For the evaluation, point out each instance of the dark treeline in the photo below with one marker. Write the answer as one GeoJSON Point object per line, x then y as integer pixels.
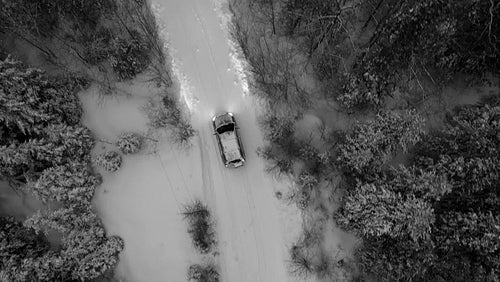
{"type": "Point", "coordinates": [44, 149]}
{"type": "Point", "coordinates": [365, 50]}
{"type": "Point", "coordinates": [436, 218]}
{"type": "Point", "coordinates": [116, 35]}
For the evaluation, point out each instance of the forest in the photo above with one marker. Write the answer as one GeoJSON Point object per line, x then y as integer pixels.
{"type": "Point", "coordinates": [408, 154]}
{"type": "Point", "coordinates": [435, 218]}
{"type": "Point", "coordinates": [45, 150]}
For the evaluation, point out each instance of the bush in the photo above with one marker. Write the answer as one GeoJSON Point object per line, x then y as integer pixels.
{"type": "Point", "coordinates": [303, 198]}
{"type": "Point", "coordinates": [165, 114]}
{"type": "Point", "coordinates": [158, 115]}
{"type": "Point", "coordinates": [200, 226]}
{"type": "Point", "coordinates": [97, 47]}
{"type": "Point", "coordinates": [360, 90]}
{"type": "Point", "coordinates": [277, 129]}
{"type": "Point", "coordinates": [307, 180]}
{"type": "Point", "coordinates": [283, 148]}
{"type": "Point", "coordinates": [301, 263]}
{"type": "Point", "coordinates": [110, 161]}
{"type": "Point", "coordinates": [130, 57]}
{"type": "Point", "coordinates": [280, 162]}
{"type": "Point", "coordinates": [184, 133]}
{"type": "Point", "coordinates": [308, 153]}
{"type": "Point", "coordinates": [307, 256]}
{"type": "Point", "coordinates": [130, 143]}
{"type": "Point", "coordinates": [174, 113]}
{"type": "Point", "coordinates": [206, 273]}
{"type": "Point", "coordinates": [302, 192]}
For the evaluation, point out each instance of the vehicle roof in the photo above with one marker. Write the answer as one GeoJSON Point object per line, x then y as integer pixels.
{"type": "Point", "coordinates": [231, 148]}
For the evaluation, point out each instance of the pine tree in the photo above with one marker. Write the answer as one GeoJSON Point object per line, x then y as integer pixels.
{"type": "Point", "coordinates": [373, 143]}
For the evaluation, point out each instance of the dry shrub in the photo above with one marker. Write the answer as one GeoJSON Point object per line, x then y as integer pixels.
{"type": "Point", "coordinates": [166, 113]}
{"type": "Point", "coordinates": [200, 226]}
{"type": "Point", "coordinates": [111, 161]}
{"type": "Point", "coordinates": [203, 273]}
{"type": "Point", "coordinates": [130, 143]}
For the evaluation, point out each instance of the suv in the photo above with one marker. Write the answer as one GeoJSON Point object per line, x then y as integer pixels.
{"type": "Point", "coordinates": [228, 139]}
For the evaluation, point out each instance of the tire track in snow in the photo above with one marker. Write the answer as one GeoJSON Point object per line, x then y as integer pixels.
{"type": "Point", "coordinates": [229, 199]}
{"type": "Point", "coordinates": [251, 206]}
{"type": "Point", "coordinates": [224, 173]}
{"type": "Point", "coordinates": [251, 225]}
{"type": "Point", "coordinates": [207, 42]}
{"type": "Point", "coordinates": [217, 202]}
{"type": "Point", "coordinates": [165, 173]}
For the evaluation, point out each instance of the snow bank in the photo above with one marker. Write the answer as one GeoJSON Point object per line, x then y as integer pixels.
{"type": "Point", "coordinates": [142, 201]}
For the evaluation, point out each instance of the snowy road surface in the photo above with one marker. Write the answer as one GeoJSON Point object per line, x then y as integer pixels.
{"type": "Point", "coordinates": [142, 201]}
{"type": "Point", "coordinates": [250, 240]}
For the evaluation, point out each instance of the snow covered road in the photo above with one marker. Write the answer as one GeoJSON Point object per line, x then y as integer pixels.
{"type": "Point", "coordinates": [251, 243]}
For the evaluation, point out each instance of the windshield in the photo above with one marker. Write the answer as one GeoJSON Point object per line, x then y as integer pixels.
{"type": "Point", "coordinates": [225, 128]}
{"type": "Point", "coordinates": [222, 119]}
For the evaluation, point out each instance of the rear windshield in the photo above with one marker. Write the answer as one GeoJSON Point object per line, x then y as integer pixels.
{"type": "Point", "coordinates": [226, 127]}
